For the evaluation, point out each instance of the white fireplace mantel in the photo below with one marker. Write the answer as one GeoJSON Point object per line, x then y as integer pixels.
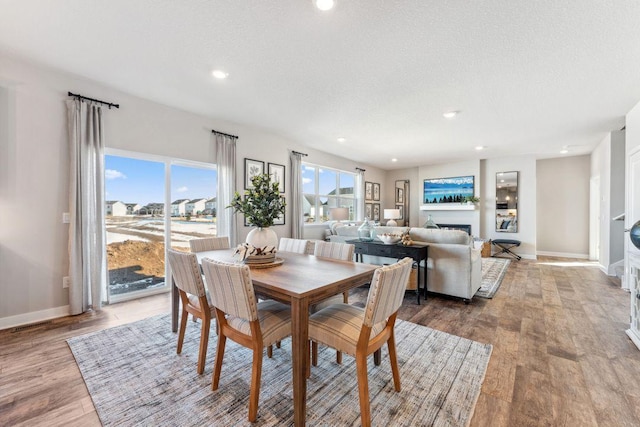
{"type": "Point", "coordinates": [448, 207]}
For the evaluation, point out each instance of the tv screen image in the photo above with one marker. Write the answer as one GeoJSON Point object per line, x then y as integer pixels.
{"type": "Point", "coordinates": [448, 190]}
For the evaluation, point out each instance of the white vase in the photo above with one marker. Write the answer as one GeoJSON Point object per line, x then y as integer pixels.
{"type": "Point", "coordinates": [261, 237]}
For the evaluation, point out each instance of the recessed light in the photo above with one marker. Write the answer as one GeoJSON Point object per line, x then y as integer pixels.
{"type": "Point", "coordinates": [341, 139]}
{"type": "Point", "coordinates": [502, 180]}
{"type": "Point", "coordinates": [324, 4]}
{"type": "Point", "coordinates": [564, 151]}
{"type": "Point", "coordinates": [450, 114]}
{"type": "Point", "coordinates": [394, 160]}
{"type": "Point", "coordinates": [219, 74]}
{"type": "Point", "coordinates": [480, 147]}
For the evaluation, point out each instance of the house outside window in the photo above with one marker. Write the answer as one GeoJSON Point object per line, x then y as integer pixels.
{"type": "Point", "coordinates": [325, 188]}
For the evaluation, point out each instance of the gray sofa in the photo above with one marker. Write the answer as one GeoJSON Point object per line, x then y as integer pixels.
{"type": "Point", "coordinates": [454, 266]}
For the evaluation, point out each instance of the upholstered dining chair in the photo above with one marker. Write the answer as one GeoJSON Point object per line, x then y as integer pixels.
{"type": "Point", "coordinates": [243, 320]}
{"type": "Point", "coordinates": [209, 244]}
{"type": "Point", "coordinates": [342, 252]}
{"type": "Point", "coordinates": [186, 275]}
{"type": "Point", "coordinates": [360, 332]}
{"type": "Point", "coordinates": [298, 246]}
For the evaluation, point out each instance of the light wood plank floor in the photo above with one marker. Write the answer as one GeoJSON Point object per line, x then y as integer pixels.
{"type": "Point", "coordinates": [560, 355]}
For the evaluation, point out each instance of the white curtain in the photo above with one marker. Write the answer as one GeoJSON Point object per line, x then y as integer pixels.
{"type": "Point", "coordinates": [297, 222]}
{"type": "Point", "coordinates": [226, 158]}
{"type": "Point", "coordinates": [87, 252]}
{"type": "Point", "coordinates": [359, 194]}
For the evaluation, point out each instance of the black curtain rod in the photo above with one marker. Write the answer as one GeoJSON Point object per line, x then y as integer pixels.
{"type": "Point", "coordinates": [361, 170]}
{"type": "Point", "coordinates": [224, 134]}
{"type": "Point", "coordinates": [110, 104]}
{"type": "Point", "coordinates": [297, 152]}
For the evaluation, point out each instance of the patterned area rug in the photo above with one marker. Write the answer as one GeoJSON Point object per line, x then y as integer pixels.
{"type": "Point", "coordinates": [493, 271]}
{"type": "Point", "coordinates": [135, 377]}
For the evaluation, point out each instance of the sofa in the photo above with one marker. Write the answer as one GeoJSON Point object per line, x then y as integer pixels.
{"type": "Point", "coordinates": [454, 266]}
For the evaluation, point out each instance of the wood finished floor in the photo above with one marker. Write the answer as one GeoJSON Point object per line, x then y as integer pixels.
{"type": "Point", "coordinates": [560, 356]}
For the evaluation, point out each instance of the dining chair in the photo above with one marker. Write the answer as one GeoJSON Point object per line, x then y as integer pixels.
{"type": "Point", "coordinates": [243, 320]}
{"type": "Point", "coordinates": [187, 278]}
{"type": "Point", "coordinates": [298, 246]}
{"type": "Point", "coordinates": [209, 244]}
{"type": "Point", "coordinates": [342, 252]}
{"type": "Point", "coordinates": [362, 331]}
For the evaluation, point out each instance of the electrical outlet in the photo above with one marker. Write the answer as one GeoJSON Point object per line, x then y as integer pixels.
{"type": "Point", "coordinates": [66, 281]}
{"type": "Point", "coordinates": [66, 218]}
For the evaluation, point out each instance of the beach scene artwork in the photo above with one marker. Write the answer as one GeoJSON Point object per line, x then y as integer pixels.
{"type": "Point", "coordinates": [448, 190]}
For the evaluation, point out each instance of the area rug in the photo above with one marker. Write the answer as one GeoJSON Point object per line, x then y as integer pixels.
{"type": "Point", "coordinates": [493, 271]}
{"type": "Point", "coordinates": [135, 377]}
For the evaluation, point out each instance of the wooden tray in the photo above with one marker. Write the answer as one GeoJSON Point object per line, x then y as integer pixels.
{"type": "Point", "coordinates": [275, 263]}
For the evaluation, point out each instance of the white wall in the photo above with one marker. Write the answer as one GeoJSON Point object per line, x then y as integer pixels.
{"type": "Point", "coordinates": [34, 177]}
{"type": "Point", "coordinates": [450, 217]}
{"type": "Point", "coordinates": [526, 166]}
{"type": "Point", "coordinates": [601, 167]}
{"type": "Point", "coordinates": [563, 206]}
{"type": "Point", "coordinates": [616, 207]}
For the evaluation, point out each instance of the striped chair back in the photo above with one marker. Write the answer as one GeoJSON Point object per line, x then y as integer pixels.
{"type": "Point", "coordinates": [209, 244]}
{"type": "Point", "coordinates": [298, 246]}
{"type": "Point", "coordinates": [186, 272]}
{"type": "Point", "coordinates": [387, 291]}
{"type": "Point", "coordinates": [230, 288]}
{"type": "Point", "coordinates": [335, 250]}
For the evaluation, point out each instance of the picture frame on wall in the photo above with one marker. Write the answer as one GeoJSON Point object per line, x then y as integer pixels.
{"type": "Point", "coordinates": [368, 210]}
{"type": "Point", "coordinates": [368, 190]}
{"type": "Point", "coordinates": [276, 172]}
{"type": "Point", "coordinates": [376, 211]}
{"type": "Point", "coordinates": [251, 169]}
{"type": "Point", "coordinates": [376, 192]}
{"type": "Point", "coordinates": [399, 195]}
{"type": "Point", "coordinates": [401, 209]}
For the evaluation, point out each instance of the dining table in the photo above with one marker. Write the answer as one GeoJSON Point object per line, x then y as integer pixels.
{"type": "Point", "coordinates": [298, 280]}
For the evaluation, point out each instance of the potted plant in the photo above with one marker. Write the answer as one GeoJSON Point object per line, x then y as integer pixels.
{"type": "Point", "coordinates": [261, 206]}
{"type": "Point", "coordinates": [470, 200]}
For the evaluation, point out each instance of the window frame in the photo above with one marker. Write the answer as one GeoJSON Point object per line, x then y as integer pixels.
{"type": "Point", "coordinates": [338, 197]}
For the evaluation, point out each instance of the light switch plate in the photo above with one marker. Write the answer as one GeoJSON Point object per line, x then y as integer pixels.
{"type": "Point", "coordinates": [66, 218]}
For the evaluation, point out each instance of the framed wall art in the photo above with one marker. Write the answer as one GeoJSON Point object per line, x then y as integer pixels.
{"type": "Point", "coordinates": [368, 210]}
{"type": "Point", "coordinates": [276, 172]}
{"type": "Point", "coordinates": [251, 169]}
{"type": "Point", "coordinates": [368, 190]}
{"type": "Point", "coordinates": [376, 191]}
{"type": "Point", "coordinates": [376, 211]}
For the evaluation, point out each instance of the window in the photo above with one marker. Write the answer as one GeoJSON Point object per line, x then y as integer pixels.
{"type": "Point", "coordinates": [325, 188]}
{"type": "Point", "coordinates": [139, 190]}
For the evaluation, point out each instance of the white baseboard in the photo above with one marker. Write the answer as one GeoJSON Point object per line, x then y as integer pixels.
{"type": "Point", "coordinates": [33, 317]}
{"type": "Point", "coordinates": [563, 254]}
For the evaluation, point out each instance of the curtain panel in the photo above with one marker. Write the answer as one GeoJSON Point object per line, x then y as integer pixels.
{"type": "Point", "coordinates": [297, 219]}
{"type": "Point", "coordinates": [87, 236]}
{"type": "Point", "coordinates": [226, 159]}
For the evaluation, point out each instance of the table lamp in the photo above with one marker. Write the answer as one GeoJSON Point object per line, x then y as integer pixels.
{"type": "Point", "coordinates": [391, 215]}
{"type": "Point", "coordinates": [338, 214]}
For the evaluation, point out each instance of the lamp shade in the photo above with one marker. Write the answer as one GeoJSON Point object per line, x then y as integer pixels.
{"type": "Point", "coordinates": [338, 214]}
{"type": "Point", "coordinates": [391, 213]}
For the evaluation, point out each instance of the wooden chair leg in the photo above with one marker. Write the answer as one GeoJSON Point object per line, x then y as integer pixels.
{"type": "Point", "coordinates": [218, 365]}
{"type": "Point", "coordinates": [270, 351]}
{"type": "Point", "coordinates": [204, 342]}
{"type": "Point", "coordinates": [363, 389]}
{"type": "Point", "coordinates": [338, 357]}
{"type": "Point", "coordinates": [377, 357]}
{"type": "Point", "coordinates": [256, 373]}
{"type": "Point", "coordinates": [393, 358]}
{"type": "Point", "coordinates": [183, 328]}
{"type": "Point", "coordinates": [277, 344]}
{"type": "Point", "coordinates": [314, 353]}
{"type": "Point", "coordinates": [308, 361]}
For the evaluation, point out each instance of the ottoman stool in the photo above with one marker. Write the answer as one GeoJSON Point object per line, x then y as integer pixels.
{"type": "Point", "coordinates": [505, 246]}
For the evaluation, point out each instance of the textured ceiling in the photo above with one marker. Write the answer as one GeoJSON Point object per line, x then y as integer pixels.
{"type": "Point", "coordinates": [528, 76]}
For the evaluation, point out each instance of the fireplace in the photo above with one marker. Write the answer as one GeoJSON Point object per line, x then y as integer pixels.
{"type": "Point", "coordinates": [463, 227]}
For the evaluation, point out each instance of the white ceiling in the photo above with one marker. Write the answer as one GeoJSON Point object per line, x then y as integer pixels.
{"type": "Point", "coordinates": [528, 76]}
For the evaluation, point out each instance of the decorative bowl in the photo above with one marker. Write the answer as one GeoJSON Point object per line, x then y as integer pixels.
{"type": "Point", "coordinates": [389, 239]}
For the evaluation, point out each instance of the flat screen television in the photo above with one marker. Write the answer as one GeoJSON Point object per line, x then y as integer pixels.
{"type": "Point", "coordinates": [448, 190]}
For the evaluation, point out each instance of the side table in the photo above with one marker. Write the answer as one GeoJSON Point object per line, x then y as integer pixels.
{"type": "Point", "coordinates": [377, 248]}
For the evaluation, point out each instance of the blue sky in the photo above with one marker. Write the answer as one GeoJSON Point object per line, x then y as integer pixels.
{"type": "Point", "coordinates": [142, 181]}
{"type": "Point", "coordinates": [327, 180]}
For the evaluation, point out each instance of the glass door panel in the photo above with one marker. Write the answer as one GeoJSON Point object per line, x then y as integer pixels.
{"type": "Point", "coordinates": [135, 226]}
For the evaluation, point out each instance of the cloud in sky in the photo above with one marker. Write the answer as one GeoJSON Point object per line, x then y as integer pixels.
{"type": "Point", "coordinates": [182, 190]}
{"type": "Point", "coordinates": [306, 180]}
{"type": "Point", "coordinates": [114, 174]}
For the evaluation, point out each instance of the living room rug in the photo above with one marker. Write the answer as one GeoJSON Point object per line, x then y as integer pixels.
{"type": "Point", "coordinates": [135, 377]}
{"type": "Point", "coordinates": [493, 271]}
